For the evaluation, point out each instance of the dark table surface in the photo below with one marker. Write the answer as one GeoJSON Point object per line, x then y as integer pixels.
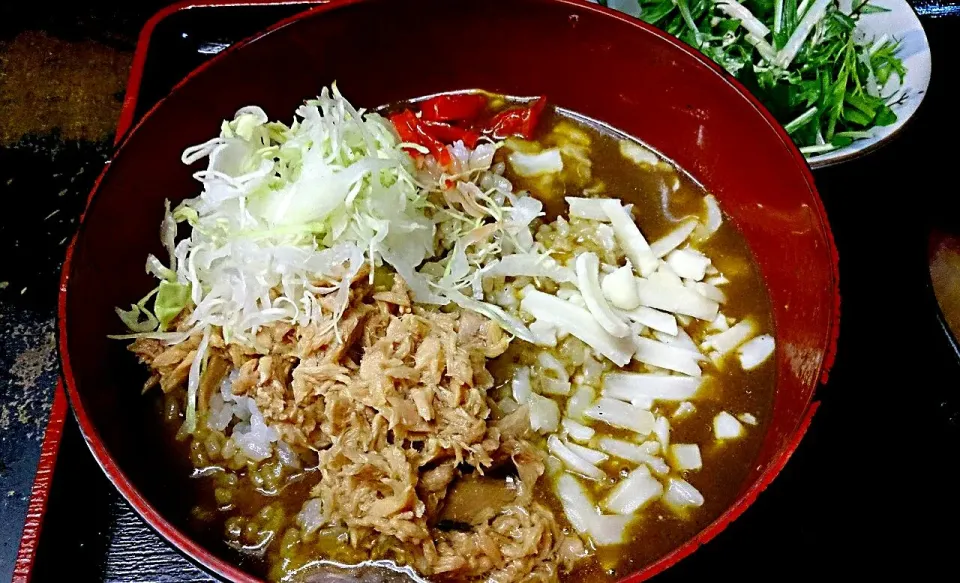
{"type": "Point", "coordinates": [869, 493]}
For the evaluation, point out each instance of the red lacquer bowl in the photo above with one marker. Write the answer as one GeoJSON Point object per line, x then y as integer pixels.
{"type": "Point", "coordinates": [584, 57]}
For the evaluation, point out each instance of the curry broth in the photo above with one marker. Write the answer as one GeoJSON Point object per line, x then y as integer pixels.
{"type": "Point", "coordinates": [237, 505]}
{"type": "Point", "coordinates": [662, 198]}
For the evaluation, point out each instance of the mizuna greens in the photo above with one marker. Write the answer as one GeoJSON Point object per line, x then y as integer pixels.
{"type": "Point", "coordinates": [802, 58]}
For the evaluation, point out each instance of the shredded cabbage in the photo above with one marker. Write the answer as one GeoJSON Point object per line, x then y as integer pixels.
{"type": "Point", "coordinates": [172, 298]}
{"type": "Point", "coordinates": [290, 213]}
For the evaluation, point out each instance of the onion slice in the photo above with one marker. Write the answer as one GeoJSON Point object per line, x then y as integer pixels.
{"type": "Point", "coordinates": [714, 219]}
{"type": "Point", "coordinates": [638, 454]}
{"type": "Point", "coordinates": [676, 299]}
{"type": "Point", "coordinates": [664, 356]}
{"type": "Point", "coordinates": [622, 415]}
{"type": "Point", "coordinates": [577, 506]}
{"type": "Point", "coordinates": [577, 321]}
{"type": "Point", "coordinates": [591, 455]}
{"type": "Point", "coordinates": [589, 208]}
{"type": "Point", "coordinates": [577, 431]}
{"type": "Point", "coordinates": [573, 461]}
{"type": "Point", "coordinates": [634, 151]}
{"type": "Point", "coordinates": [673, 239]}
{"type": "Point", "coordinates": [628, 386]}
{"type": "Point", "coordinates": [659, 321]}
{"type": "Point", "coordinates": [631, 239]}
{"type": "Point", "coordinates": [730, 339]}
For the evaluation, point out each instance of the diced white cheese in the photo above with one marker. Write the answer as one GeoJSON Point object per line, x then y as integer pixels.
{"type": "Point", "coordinates": [719, 324]}
{"type": "Point", "coordinates": [528, 165]}
{"type": "Point", "coordinates": [576, 503]}
{"type": "Point", "coordinates": [530, 265]}
{"type": "Point", "coordinates": [728, 340]}
{"type": "Point", "coordinates": [642, 402]}
{"type": "Point", "coordinates": [589, 208]}
{"type": "Point", "coordinates": [665, 275]}
{"type": "Point", "coordinates": [580, 401]}
{"type": "Point", "coordinates": [545, 333]}
{"type": "Point", "coordinates": [577, 431]}
{"type": "Point", "coordinates": [681, 495]}
{"type": "Point", "coordinates": [716, 280]}
{"type": "Point", "coordinates": [726, 426]}
{"type": "Point", "coordinates": [555, 379]}
{"type": "Point", "coordinates": [544, 414]}
{"type": "Point", "coordinates": [609, 531]}
{"type": "Point", "coordinates": [708, 291]}
{"type": "Point", "coordinates": [681, 340]}
{"type": "Point", "coordinates": [685, 408]}
{"type": "Point", "coordinates": [747, 418]}
{"type": "Point", "coordinates": [688, 264]}
{"type": "Point", "coordinates": [685, 457]}
{"type": "Point", "coordinates": [620, 288]}
{"type": "Point", "coordinates": [634, 492]}
{"type": "Point", "coordinates": [522, 390]}
{"type": "Point", "coordinates": [661, 428]}
{"type": "Point", "coordinates": [604, 530]}
{"type": "Point", "coordinates": [755, 352]}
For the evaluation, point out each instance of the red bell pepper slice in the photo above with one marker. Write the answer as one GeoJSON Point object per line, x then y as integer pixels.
{"type": "Point", "coordinates": [460, 107]}
{"type": "Point", "coordinates": [516, 121]}
{"type": "Point", "coordinates": [449, 134]}
{"type": "Point", "coordinates": [411, 129]}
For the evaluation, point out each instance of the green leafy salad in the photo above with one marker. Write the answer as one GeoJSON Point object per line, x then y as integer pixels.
{"type": "Point", "coordinates": [804, 59]}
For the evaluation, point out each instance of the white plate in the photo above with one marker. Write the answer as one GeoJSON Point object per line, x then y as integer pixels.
{"type": "Point", "coordinates": [902, 24]}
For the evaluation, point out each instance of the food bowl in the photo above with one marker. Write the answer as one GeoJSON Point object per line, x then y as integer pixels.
{"type": "Point", "coordinates": [586, 58]}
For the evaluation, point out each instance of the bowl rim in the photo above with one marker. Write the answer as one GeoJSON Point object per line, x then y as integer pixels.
{"type": "Point", "coordinates": [219, 567]}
